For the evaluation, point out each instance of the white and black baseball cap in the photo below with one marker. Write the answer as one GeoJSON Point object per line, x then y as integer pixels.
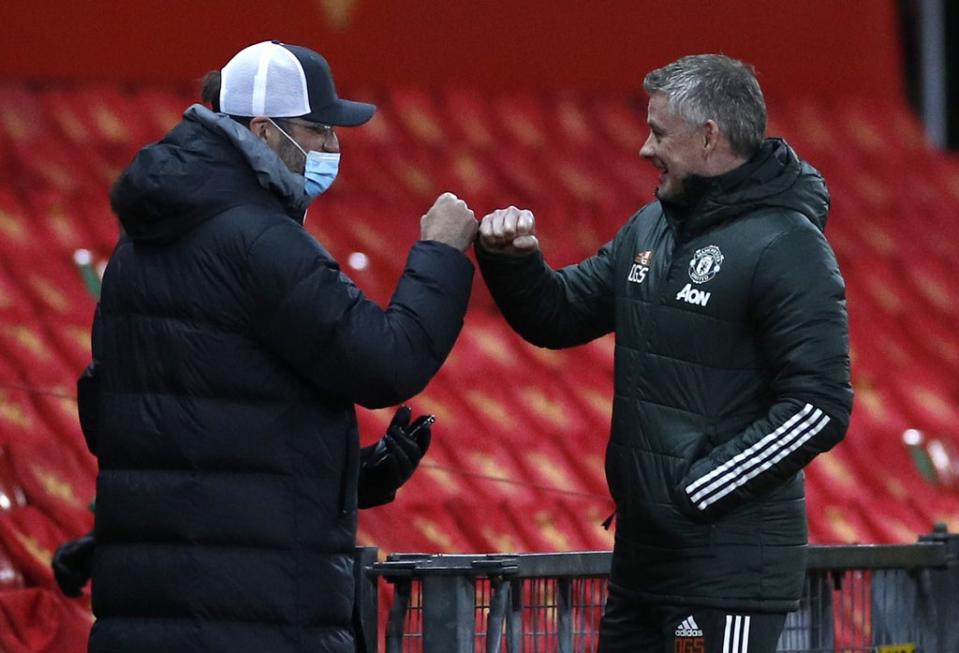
{"type": "Point", "coordinates": [277, 80]}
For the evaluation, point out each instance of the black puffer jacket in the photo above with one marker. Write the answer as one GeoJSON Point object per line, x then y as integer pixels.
{"type": "Point", "coordinates": [231, 351]}
{"type": "Point", "coordinates": [732, 373]}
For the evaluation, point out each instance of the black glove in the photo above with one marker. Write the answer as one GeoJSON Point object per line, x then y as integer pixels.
{"type": "Point", "coordinates": [73, 564]}
{"type": "Point", "coordinates": [389, 463]}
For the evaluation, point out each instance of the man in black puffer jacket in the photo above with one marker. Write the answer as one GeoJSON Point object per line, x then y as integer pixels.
{"type": "Point", "coordinates": [732, 363]}
{"type": "Point", "coordinates": [230, 350]}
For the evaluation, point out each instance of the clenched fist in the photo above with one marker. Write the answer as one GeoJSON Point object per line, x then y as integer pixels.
{"type": "Point", "coordinates": [509, 231]}
{"type": "Point", "coordinates": [449, 221]}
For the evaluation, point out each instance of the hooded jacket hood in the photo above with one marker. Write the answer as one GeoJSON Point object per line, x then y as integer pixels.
{"type": "Point", "coordinates": [774, 178]}
{"type": "Point", "coordinates": [204, 166]}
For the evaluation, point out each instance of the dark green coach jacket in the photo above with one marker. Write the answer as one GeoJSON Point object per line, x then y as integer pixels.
{"type": "Point", "coordinates": [732, 373]}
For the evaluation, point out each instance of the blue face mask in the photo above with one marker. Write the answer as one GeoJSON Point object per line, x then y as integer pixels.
{"type": "Point", "coordinates": [320, 170]}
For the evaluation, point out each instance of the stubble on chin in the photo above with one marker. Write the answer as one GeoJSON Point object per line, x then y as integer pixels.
{"type": "Point", "coordinates": [667, 196]}
{"type": "Point", "coordinates": [674, 196]}
{"type": "Point", "coordinates": [292, 157]}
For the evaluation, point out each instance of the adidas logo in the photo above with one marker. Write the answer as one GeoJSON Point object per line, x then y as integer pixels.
{"type": "Point", "coordinates": [689, 628]}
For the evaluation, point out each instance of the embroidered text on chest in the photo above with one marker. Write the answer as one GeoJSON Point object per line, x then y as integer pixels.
{"type": "Point", "coordinates": [640, 268]}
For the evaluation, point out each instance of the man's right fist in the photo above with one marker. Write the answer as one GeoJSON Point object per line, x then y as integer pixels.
{"type": "Point", "coordinates": [449, 221]}
{"type": "Point", "coordinates": [509, 231]}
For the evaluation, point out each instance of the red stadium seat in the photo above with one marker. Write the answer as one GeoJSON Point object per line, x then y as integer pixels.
{"type": "Point", "coordinates": [472, 119]}
{"type": "Point", "coordinates": [417, 112]}
{"type": "Point", "coordinates": [39, 621]}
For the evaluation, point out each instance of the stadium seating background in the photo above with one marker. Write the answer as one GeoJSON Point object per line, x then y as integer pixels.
{"type": "Point", "coordinates": [516, 461]}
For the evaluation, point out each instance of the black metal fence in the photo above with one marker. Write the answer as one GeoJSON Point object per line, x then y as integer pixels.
{"type": "Point", "coordinates": [877, 598]}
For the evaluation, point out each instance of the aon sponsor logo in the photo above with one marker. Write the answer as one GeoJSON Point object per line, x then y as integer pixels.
{"type": "Point", "coordinates": [692, 295]}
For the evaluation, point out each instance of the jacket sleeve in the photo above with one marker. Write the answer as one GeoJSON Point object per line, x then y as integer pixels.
{"type": "Point", "coordinates": [314, 318]}
{"type": "Point", "coordinates": [799, 309]}
{"type": "Point", "coordinates": [552, 308]}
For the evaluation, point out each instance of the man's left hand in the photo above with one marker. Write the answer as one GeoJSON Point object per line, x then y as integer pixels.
{"type": "Point", "coordinates": [388, 464]}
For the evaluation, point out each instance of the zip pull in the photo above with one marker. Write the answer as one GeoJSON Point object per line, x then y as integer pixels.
{"type": "Point", "coordinates": [609, 521]}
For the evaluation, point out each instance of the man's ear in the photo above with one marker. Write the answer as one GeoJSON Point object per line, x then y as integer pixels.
{"type": "Point", "coordinates": [259, 126]}
{"type": "Point", "coordinates": [710, 138]}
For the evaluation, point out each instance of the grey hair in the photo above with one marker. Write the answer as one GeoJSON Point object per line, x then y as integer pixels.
{"type": "Point", "coordinates": [703, 87]}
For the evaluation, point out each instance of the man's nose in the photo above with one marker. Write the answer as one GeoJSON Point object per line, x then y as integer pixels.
{"type": "Point", "coordinates": [331, 143]}
{"type": "Point", "coordinates": [646, 151]}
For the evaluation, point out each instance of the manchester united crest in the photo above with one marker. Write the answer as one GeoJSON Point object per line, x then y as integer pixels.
{"type": "Point", "coordinates": [705, 264]}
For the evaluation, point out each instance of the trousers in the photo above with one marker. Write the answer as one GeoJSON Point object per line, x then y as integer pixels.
{"type": "Point", "coordinates": [633, 626]}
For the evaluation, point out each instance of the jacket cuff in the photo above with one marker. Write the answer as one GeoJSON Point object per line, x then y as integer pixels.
{"type": "Point", "coordinates": [487, 258]}
{"type": "Point", "coordinates": [448, 267]}
{"type": "Point", "coordinates": [689, 509]}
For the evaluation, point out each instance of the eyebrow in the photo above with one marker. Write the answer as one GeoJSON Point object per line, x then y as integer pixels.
{"type": "Point", "coordinates": [317, 127]}
{"type": "Point", "coordinates": [311, 126]}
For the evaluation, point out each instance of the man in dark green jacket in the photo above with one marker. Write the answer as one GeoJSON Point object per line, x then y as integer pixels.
{"type": "Point", "coordinates": [732, 363]}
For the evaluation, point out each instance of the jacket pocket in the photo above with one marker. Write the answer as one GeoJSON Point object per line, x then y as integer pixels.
{"type": "Point", "coordinates": [642, 483]}
{"type": "Point", "coordinates": [618, 463]}
{"type": "Point", "coordinates": [712, 437]}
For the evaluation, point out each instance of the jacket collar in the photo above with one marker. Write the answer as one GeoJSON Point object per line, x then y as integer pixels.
{"type": "Point", "coordinates": [271, 173]}
{"type": "Point", "coordinates": [774, 176]}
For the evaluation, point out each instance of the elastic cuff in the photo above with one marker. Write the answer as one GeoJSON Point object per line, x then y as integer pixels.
{"type": "Point", "coordinates": [689, 509]}
{"type": "Point", "coordinates": [445, 265]}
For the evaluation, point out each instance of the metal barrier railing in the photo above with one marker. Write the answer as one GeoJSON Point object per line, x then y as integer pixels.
{"type": "Point", "coordinates": [885, 598]}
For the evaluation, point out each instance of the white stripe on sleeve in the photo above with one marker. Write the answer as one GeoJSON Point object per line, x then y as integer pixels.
{"type": "Point", "coordinates": [799, 440]}
{"type": "Point", "coordinates": [772, 448]}
{"type": "Point", "coordinates": [751, 450]}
